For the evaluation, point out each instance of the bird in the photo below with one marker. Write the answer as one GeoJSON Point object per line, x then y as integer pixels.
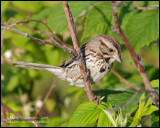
{"type": "Point", "coordinates": [98, 54]}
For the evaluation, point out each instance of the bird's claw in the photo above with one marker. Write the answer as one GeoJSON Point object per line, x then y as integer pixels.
{"type": "Point", "coordinates": [97, 100]}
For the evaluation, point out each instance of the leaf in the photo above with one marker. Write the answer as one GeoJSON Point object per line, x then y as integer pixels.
{"type": "Point", "coordinates": [155, 119]}
{"type": "Point", "coordinates": [11, 80]}
{"type": "Point", "coordinates": [28, 5]}
{"type": "Point", "coordinates": [155, 83]}
{"type": "Point", "coordinates": [98, 20]}
{"type": "Point", "coordinates": [141, 106]}
{"type": "Point", "coordinates": [57, 21]}
{"type": "Point", "coordinates": [85, 115]}
{"type": "Point", "coordinates": [143, 28]}
{"type": "Point", "coordinates": [110, 117]}
{"type": "Point", "coordinates": [143, 110]}
{"type": "Point", "coordinates": [54, 122]}
{"type": "Point", "coordinates": [150, 110]}
{"type": "Point", "coordinates": [137, 116]}
{"type": "Point", "coordinates": [103, 120]}
{"type": "Point", "coordinates": [118, 98]}
{"type": "Point", "coordinates": [52, 55]}
{"type": "Point", "coordinates": [4, 5]}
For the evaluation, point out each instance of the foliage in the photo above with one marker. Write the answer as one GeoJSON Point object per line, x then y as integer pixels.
{"type": "Point", "coordinates": [23, 90]}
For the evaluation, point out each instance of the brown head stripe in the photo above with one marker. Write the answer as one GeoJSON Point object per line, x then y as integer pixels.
{"type": "Point", "coordinates": [114, 42]}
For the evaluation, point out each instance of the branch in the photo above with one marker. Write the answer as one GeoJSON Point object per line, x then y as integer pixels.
{"type": "Point", "coordinates": [136, 59]}
{"type": "Point", "coordinates": [124, 80]}
{"type": "Point", "coordinates": [21, 117]}
{"type": "Point", "coordinates": [145, 8]}
{"type": "Point", "coordinates": [55, 43]}
{"type": "Point", "coordinates": [3, 113]}
{"type": "Point", "coordinates": [45, 99]}
{"type": "Point", "coordinates": [70, 22]}
{"type": "Point", "coordinates": [45, 24]}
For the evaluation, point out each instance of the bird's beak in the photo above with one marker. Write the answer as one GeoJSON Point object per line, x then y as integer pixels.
{"type": "Point", "coordinates": [118, 58]}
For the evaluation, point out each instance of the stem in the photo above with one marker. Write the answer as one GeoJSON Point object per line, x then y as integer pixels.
{"type": "Point", "coordinates": [136, 59]}
{"type": "Point", "coordinates": [71, 26]}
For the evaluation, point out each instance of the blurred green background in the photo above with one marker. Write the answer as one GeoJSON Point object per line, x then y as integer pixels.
{"type": "Point", "coordinates": [23, 90]}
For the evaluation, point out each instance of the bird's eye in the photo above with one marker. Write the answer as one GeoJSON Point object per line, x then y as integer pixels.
{"type": "Point", "coordinates": [111, 50]}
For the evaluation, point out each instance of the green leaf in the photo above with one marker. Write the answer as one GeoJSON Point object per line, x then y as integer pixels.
{"type": "Point", "coordinates": [155, 119]}
{"type": "Point", "coordinates": [143, 28]}
{"type": "Point", "coordinates": [141, 106]}
{"type": "Point", "coordinates": [137, 116]}
{"type": "Point", "coordinates": [85, 115]}
{"type": "Point", "coordinates": [103, 120]}
{"type": "Point", "coordinates": [143, 110]}
{"type": "Point", "coordinates": [52, 55]}
{"type": "Point", "coordinates": [27, 5]}
{"type": "Point", "coordinates": [119, 98]}
{"type": "Point", "coordinates": [150, 110]}
{"type": "Point", "coordinates": [57, 21]}
{"type": "Point", "coordinates": [155, 83]}
{"type": "Point", "coordinates": [110, 117]}
{"type": "Point", "coordinates": [98, 20]}
{"type": "Point", "coordinates": [4, 5]}
{"type": "Point", "coordinates": [11, 80]}
{"type": "Point", "coordinates": [54, 122]}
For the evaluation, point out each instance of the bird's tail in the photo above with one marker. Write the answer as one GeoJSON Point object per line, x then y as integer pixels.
{"type": "Point", "coordinates": [54, 69]}
{"type": "Point", "coordinates": [33, 65]}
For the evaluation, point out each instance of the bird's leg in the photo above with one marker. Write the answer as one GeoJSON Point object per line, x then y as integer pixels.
{"type": "Point", "coordinates": [76, 77]}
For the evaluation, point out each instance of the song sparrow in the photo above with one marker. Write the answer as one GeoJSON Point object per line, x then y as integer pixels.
{"type": "Point", "coordinates": [98, 54]}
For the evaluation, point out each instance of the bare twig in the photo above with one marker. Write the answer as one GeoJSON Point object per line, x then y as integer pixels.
{"type": "Point", "coordinates": [55, 43]}
{"type": "Point", "coordinates": [21, 117]}
{"type": "Point", "coordinates": [124, 80]}
{"type": "Point", "coordinates": [145, 8]}
{"type": "Point", "coordinates": [136, 59]}
{"type": "Point", "coordinates": [3, 34]}
{"type": "Point", "coordinates": [45, 24]}
{"type": "Point", "coordinates": [45, 99]}
{"type": "Point", "coordinates": [3, 113]}
{"type": "Point", "coordinates": [87, 85]}
{"type": "Point", "coordinates": [2, 39]}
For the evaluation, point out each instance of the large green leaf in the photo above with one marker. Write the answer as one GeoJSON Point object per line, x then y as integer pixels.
{"type": "Point", "coordinates": [119, 98]}
{"type": "Point", "coordinates": [57, 21]}
{"type": "Point", "coordinates": [103, 120]}
{"type": "Point", "coordinates": [143, 28]}
{"type": "Point", "coordinates": [98, 20]}
{"type": "Point", "coordinates": [85, 115]}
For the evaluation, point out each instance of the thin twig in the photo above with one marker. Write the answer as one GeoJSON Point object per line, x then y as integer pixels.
{"type": "Point", "coordinates": [71, 26]}
{"type": "Point", "coordinates": [20, 116]}
{"type": "Point", "coordinates": [3, 113]}
{"type": "Point", "coordinates": [3, 34]}
{"type": "Point", "coordinates": [45, 99]}
{"type": "Point", "coordinates": [45, 24]}
{"type": "Point", "coordinates": [124, 80]}
{"type": "Point", "coordinates": [55, 43]}
{"type": "Point", "coordinates": [145, 8]}
{"type": "Point", "coordinates": [136, 59]}
{"type": "Point", "coordinates": [2, 39]}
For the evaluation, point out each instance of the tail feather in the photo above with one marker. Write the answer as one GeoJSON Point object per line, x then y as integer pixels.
{"type": "Point", "coordinates": [33, 65]}
{"type": "Point", "coordinates": [59, 71]}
